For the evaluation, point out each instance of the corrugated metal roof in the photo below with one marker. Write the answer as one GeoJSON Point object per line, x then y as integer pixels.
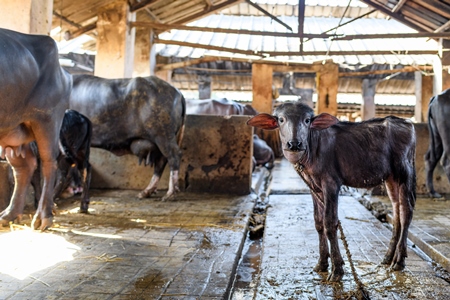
{"type": "Point", "coordinates": [315, 25]}
{"type": "Point", "coordinates": [314, 8]}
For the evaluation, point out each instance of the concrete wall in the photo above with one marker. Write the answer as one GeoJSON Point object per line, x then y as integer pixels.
{"type": "Point", "coordinates": [216, 158]}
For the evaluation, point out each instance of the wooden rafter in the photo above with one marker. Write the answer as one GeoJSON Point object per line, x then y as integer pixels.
{"type": "Point", "coordinates": [396, 16]}
{"type": "Point", "coordinates": [165, 27]}
{"type": "Point", "coordinates": [398, 6]}
{"type": "Point", "coordinates": [64, 19]}
{"type": "Point", "coordinates": [378, 72]}
{"type": "Point", "coordinates": [83, 30]}
{"type": "Point", "coordinates": [293, 53]}
{"type": "Point", "coordinates": [208, 10]}
{"type": "Point", "coordinates": [141, 5]}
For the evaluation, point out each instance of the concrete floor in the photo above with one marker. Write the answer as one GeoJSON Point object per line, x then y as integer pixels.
{"type": "Point", "coordinates": [197, 247]}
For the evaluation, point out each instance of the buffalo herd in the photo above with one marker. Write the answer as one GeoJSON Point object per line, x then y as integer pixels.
{"type": "Point", "coordinates": [50, 119]}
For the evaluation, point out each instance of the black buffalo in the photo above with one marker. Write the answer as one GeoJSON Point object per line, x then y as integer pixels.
{"type": "Point", "coordinates": [34, 93]}
{"type": "Point", "coordinates": [74, 169]}
{"type": "Point", "coordinates": [140, 116]}
{"type": "Point", "coordinates": [439, 131]}
{"type": "Point", "coordinates": [329, 154]}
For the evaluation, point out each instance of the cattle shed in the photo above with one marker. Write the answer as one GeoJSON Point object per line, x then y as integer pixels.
{"type": "Point", "coordinates": [353, 59]}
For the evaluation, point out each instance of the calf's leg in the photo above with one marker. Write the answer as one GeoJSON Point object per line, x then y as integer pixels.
{"type": "Point", "coordinates": [331, 224]}
{"type": "Point", "coordinates": [324, 252]}
{"type": "Point", "coordinates": [86, 183]}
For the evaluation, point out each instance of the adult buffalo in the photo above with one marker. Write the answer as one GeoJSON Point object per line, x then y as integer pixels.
{"type": "Point", "coordinates": [34, 93]}
{"type": "Point", "coordinates": [263, 154]}
{"type": "Point", "coordinates": [328, 154]}
{"type": "Point", "coordinates": [140, 116]}
{"type": "Point", "coordinates": [220, 107]}
{"type": "Point", "coordinates": [439, 132]}
{"type": "Point", "coordinates": [74, 169]}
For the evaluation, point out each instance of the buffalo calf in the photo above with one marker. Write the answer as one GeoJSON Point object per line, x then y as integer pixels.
{"type": "Point", "coordinates": [73, 159]}
{"type": "Point", "coordinates": [362, 155]}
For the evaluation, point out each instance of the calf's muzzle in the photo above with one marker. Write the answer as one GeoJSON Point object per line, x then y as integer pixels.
{"type": "Point", "coordinates": [294, 145]}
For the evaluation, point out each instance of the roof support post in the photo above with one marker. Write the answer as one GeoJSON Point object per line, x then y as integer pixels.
{"type": "Point", "coordinates": [204, 86]}
{"type": "Point", "coordinates": [262, 87]}
{"type": "Point", "coordinates": [424, 91]}
{"type": "Point", "coordinates": [115, 43]}
{"type": "Point", "coordinates": [27, 16]}
{"type": "Point", "coordinates": [368, 98]}
{"type": "Point", "coordinates": [327, 81]}
{"type": "Point", "coordinates": [142, 53]}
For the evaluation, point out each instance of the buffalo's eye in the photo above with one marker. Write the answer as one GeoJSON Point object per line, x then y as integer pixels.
{"type": "Point", "coordinates": [307, 121]}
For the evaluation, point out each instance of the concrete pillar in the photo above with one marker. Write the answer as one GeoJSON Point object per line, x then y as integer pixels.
{"type": "Point", "coordinates": [115, 42]}
{"type": "Point", "coordinates": [204, 87]}
{"type": "Point", "coordinates": [327, 86]}
{"type": "Point", "coordinates": [437, 78]}
{"type": "Point", "coordinates": [262, 88]}
{"type": "Point", "coordinates": [424, 91]}
{"type": "Point", "coordinates": [142, 49]}
{"type": "Point", "coordinates": [368, 95]}
{"type": "Point", "coordinates": [27, 16]}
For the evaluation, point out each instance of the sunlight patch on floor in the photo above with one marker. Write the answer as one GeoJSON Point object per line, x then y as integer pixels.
{"type": "Point", "coordinates": [24, 252]}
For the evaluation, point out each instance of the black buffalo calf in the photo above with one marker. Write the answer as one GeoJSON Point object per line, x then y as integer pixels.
{"type": "Point", "coordinates": [74, 169]}
{"type": "Point", "coordinates": [330, 153]}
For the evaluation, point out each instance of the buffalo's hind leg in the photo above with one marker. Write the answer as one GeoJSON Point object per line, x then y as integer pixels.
{"type": "Point", "coordinates": [402, 210]}
{"type": "Point", "coordinates": [432, 158]}
{"type": "Point", "coordinates": [47, 138]}
{"type": "Point", "coordinates": [169, 152]}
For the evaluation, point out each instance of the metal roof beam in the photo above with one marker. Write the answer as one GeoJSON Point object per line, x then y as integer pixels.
{"type": "Point", "coordinates": [301, 19]}
{"type": "Point", "coordinates": [269, 14]}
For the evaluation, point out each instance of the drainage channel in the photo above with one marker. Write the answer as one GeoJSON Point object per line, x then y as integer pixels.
{"type": "Point", "coordinates": [246, 280]}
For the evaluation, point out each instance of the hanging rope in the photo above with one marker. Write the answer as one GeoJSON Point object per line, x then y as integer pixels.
{"type": "Point", "coordinates": [361, 293]}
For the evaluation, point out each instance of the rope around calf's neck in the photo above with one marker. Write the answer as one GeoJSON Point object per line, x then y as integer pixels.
{"type": "Point", "coordinates": [361, 291]}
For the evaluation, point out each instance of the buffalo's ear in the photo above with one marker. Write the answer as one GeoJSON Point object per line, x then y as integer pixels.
{"type": "Point", "coordinates": [324, 121]}
{"type": "Point", "coordinates": [263, 121]}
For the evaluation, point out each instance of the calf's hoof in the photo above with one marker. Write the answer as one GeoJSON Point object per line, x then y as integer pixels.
{"type": "Point", "coordinates": [41, 224]}
{"type": "Point", "coordinates": [168, 197]}
{"type": "Point", "coordinates": [321, 267]}
{"type": "Point", "coordinates": [386, 260]}
{"type": "Point", "coordinates": [145, 194]}
{"type": "Point", "coordinates": [8, 217]}
{"type": "Point", "coordinates": [335, 276]}
{"type": "Point", "coordinates": [435, 195]}
{"type": "Point", "coordinates": [398, 266]}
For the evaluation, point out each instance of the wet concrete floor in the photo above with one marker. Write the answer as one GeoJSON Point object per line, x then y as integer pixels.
{"type": "Point", "coordinates": [128, 249]}
{"type": "Point", "coordinates": [288, 252]}
{"type": "Point", "coordinates": [197, 247]}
